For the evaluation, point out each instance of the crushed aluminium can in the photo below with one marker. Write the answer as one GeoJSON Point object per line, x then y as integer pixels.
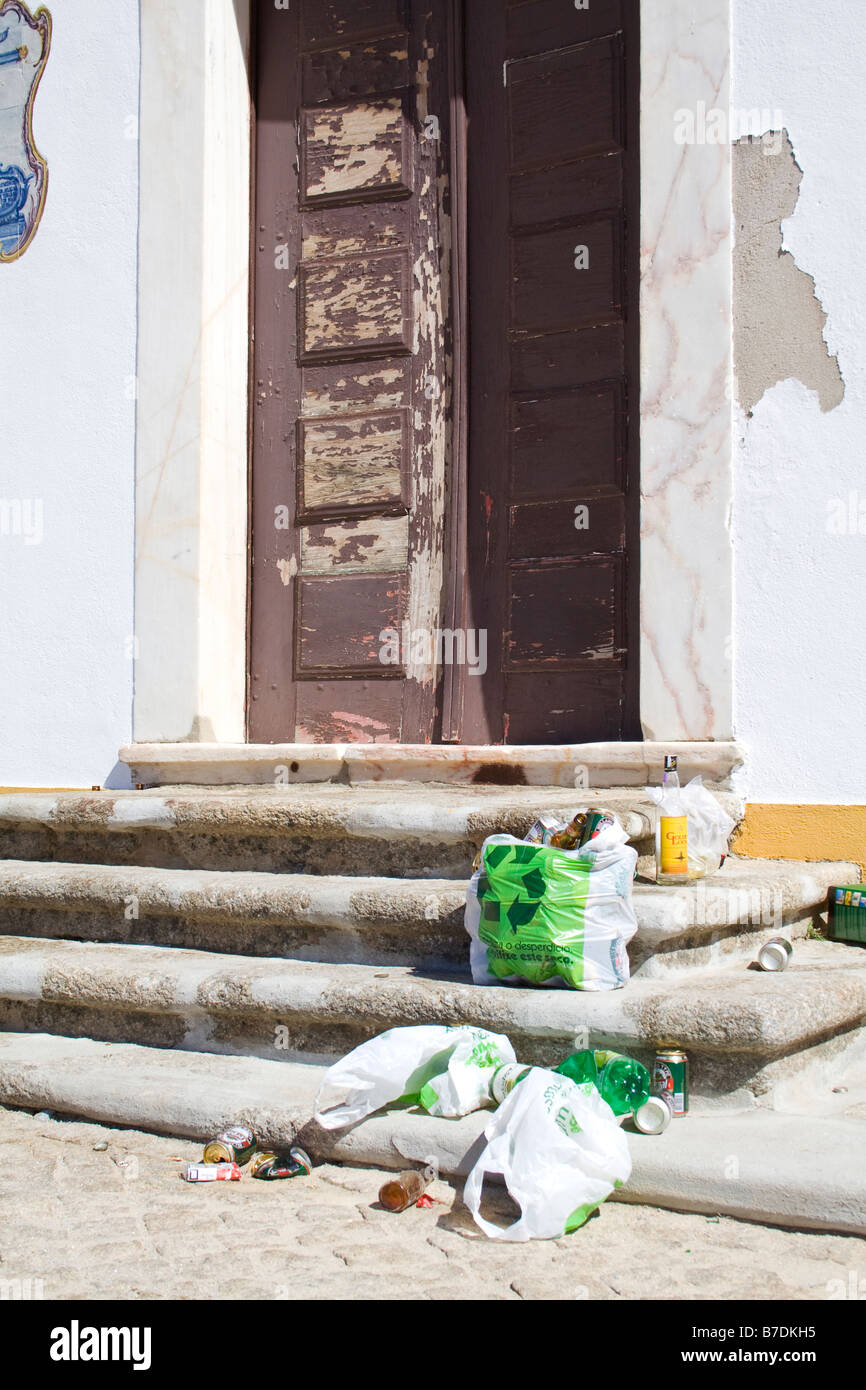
{"type": "Point", "coordinates": [670, 1079]}
{"type": "Point", "coordinates": [270, 1166]}
{"type": "Point", "coordinates": [775, 953]}
{"type": "Point", "coordinates": [211, 1172]}
{"type": "Point", "coordinates": [236, 1144]}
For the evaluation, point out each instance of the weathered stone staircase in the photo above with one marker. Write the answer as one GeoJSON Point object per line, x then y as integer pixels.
{"type": "Point", "coordinates": [178, 957]}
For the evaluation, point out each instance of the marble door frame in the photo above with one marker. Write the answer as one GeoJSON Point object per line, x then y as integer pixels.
{"type": "Point", "coordinates": [193, 364]}
{"type": "Point", "coordinates": [686, 596]}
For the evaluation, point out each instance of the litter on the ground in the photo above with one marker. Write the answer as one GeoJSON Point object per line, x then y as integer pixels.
{"type": "Point", "coordinates": [654, 1116]}
{"type": "Point", "coordinates": [270, 1166]}
{"type": "Point", "coordinates": [692, 829]}
{"type": "Point", "coordinates": [671, 1079]}
{"type": "Point", "coordinates": [847, 913]}
{"type": "Point", "coordinates": [235, 1144]}
{"type": "Point", "coordinates": [211, 1172]}
{"type": "Point", "coordinates": [448, 1071]}
{"type": "Point", "coordinates": [621, 1081]}
{"type": "Point", "coordinates": [560, 1152]}
{"type": "Point", "coordinates": [407, 1189]}
{"type": "Point", "coordinates": [775, 953]}
{"type": "Point", "coordinates": [555, 1137]}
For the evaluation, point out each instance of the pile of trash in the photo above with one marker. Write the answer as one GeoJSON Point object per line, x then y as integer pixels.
{"type": "Point", "coordinates": [555, 1137]}
{"type": "Point", "coordinates": [555, 908]}
{"type": "Point", "coordinates": [236, 1146]}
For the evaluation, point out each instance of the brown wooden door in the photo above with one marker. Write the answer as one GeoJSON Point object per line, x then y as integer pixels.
{"type": "Point", "coordinates": [553, 276]}
{"type": "Point", "coordinates": [373, 511]}
{"type": "Point", "coordinates": [350, 386]}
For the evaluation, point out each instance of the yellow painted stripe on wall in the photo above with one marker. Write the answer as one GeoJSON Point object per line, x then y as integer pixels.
{"type": "Point", "coordinates": [776, 831]}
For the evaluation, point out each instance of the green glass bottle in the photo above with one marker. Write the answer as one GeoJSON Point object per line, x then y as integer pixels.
{"type": "Point", "coordinates": [621, 1081]}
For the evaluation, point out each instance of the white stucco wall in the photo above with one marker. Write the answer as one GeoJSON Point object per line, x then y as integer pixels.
{"type": "Point", "coordinates": [67, 440]}
{"type": "Point", "coordinates": [799, 651]}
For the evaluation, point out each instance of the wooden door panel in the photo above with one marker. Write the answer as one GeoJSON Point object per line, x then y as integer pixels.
{"type": "Point", "coordinates": [564, 707]}
{"type": "Point", "coordinates": [553, 273]}
{"type": "Point", "coordinates": [334, 21]}
{"type": "Point", "coordinates": [566, 442]}
{"type": "Point", "coordinates": [563, 613]}
{"type": "Point", "coordinates": [353, 69]}
{"type": "Point", "coordinates": [542, 26]}
{"type": "Point", "coordinates": [338, 620]}
{"type": "Point", "coordinates": [564, 104]}
{"type": "Point", "coordinates": [593, 527]}
{"type": "Point", "coordinates": [570, 190]}
{"type": "Point", "coordinates": [547, 296]}
{"type": "Point", "coordinates": [351, 279]}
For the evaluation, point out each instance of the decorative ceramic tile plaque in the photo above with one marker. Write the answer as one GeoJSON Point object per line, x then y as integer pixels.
{"type": "Point", "coordinates": [24, 43]}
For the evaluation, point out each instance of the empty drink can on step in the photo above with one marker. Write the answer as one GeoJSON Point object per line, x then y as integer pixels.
{"type": "Point", "coordinates": [653, 1116]}
{"type": "Point", "coordinates": [671, 1079]}
{"type": "Point", "coordinates": [775, 954]}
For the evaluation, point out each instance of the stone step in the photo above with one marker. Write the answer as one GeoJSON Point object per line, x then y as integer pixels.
{"type": "Point", "coordinates": [409, 830]}
{"type": "Point", "coordinates": [615, 764]}
{"type": "Point", "coordinates": [761, 1166]}
{"type": "Point", "coordinates": [745, 1032]}
{"type": "Point", "coordinates": [391, 921]}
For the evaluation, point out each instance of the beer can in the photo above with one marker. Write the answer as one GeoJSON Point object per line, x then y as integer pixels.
{"type": "Point", "coordinates": [775, 954]}
{"type": "Point", "coordinates": [541, 832]}
{"type": "Point", "coordinates": [211, 1172]}
{"type": "Point", "coordinates": [237, 1144]}
{"type": "Point", "coordinates": [671, 1079]}
{"type": "Point", "coordinates": [654, 1116]}
{"type": "Point", "coordinates": [270, 1166]}
{"type": "Point", "coordinates": [505, 1079]}
{"type": "Point", "coordinates": [595, 823]}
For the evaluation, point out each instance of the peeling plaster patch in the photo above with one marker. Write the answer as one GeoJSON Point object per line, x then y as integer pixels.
{"type": "Point", "coordinates": [778, 318]}
{"type": "Point", "coordinates": [287, 569]}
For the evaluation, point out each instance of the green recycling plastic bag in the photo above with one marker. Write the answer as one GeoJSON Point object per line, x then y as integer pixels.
{"type": "Point", "coordinates": [552, 917]}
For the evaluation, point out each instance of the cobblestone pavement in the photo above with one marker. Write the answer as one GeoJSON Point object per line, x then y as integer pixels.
{"type": "Point", "coordinates": [79, 1221]}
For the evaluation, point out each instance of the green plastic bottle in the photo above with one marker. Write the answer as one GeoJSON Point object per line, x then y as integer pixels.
{"type": "Point", "coordinates": [621, 1081]}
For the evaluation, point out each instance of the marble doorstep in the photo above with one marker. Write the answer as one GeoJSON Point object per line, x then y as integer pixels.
{"type": "Point", "coordinates": [578, 765]}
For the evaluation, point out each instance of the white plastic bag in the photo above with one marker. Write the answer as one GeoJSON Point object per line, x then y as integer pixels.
{"type": "Point", "coordinates": [569, 919]}
{"type": "Point", "coordinates": [447, 1070]}
{"type": "Point", "coordinates": [560, 1150]}
{"type": "Point", "coordinates": [709, 826]}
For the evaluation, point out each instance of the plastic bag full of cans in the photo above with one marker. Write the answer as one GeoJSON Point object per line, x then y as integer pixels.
{"type": "Point", "coordinates": [236, 1147]}
{"type": "Point", "coordinates": [554, 909]}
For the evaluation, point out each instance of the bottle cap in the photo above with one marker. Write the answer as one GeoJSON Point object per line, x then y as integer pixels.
{"type": "Point", "coordinates": [670, 762]}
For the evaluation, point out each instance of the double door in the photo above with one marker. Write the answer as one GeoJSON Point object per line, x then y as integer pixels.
{"type": "Point", "coordinates": [445, 492]}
